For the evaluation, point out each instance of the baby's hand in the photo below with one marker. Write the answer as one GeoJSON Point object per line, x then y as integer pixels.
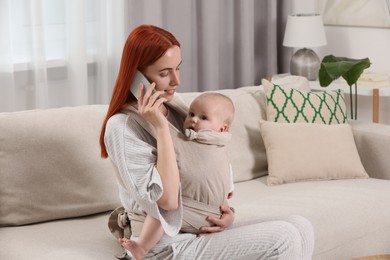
{"type": "Point", "coordinates": [230, 195]}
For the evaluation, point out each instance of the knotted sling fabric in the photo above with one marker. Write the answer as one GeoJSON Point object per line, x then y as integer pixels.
{"type": "Point", "coordinates": [204, 174]}
{"type": "Point", "coordinates": [208, 136]}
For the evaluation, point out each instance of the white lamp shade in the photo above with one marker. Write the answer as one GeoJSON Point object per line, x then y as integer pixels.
{"type": "Point", "coordinates": [304, 30]}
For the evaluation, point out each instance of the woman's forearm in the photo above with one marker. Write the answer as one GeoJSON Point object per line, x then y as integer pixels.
{"type": "Point", "coordinates": [168, 169]}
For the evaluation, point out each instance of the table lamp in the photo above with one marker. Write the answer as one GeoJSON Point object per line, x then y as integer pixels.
{"type": "Point", "coordinates": [303, 31]}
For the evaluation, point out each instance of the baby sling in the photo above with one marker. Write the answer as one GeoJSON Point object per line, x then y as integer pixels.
{"type": "Point", "coordinates": [204, 173]}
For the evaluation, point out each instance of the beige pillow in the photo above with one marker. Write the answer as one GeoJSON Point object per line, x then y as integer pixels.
{"type": "Point", "coordinates": [50, 165]}
{"type": "Point", "coordinates": [291, 105]}
{"type": "Point", "coordinates": [308, 152]}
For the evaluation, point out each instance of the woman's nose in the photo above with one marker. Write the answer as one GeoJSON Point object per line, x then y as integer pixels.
{"type": "Point", "coordinates": [175, 78]}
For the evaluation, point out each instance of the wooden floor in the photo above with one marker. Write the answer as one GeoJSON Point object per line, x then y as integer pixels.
{"type": "Point", "coordinates": [374, 257]}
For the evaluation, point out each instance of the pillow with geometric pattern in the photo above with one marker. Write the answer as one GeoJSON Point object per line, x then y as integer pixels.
{"type": "Point", "coordinates": [290, 105]}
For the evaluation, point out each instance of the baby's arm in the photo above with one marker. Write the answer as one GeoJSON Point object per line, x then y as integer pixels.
{"type": "Point", "coordinates": [151, 233]}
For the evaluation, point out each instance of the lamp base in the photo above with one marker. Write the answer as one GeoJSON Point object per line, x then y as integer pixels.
{"type": "Point", "coordinates": [305, 62]}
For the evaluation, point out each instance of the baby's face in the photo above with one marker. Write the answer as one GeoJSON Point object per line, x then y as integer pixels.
{"type": "Point", "coordinates": [205, 113]}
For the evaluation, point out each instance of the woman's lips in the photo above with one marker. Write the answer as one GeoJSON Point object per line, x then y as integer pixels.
{"type": "Point", "coordinates": [170, 91]}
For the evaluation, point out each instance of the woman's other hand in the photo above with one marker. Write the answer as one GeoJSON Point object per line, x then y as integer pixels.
{"type": "Point", "coordinates": [221, 223]}
{"type": "Point", "coordinates": [149, 103]}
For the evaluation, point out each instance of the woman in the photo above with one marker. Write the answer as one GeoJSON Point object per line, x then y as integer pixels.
{"type": "Point", "coordinates": [136, 136]}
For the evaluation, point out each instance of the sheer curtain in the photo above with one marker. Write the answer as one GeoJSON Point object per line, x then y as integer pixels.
{"type": "Point", "coordinates": [57, 53]}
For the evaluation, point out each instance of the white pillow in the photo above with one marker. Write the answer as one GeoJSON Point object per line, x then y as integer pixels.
{"type": "Point", "coordinates": [292, 105]}
{"type": "Point", "coordinates": [293, 81]}
{"type": "Point", "coordinates": [308, 152]}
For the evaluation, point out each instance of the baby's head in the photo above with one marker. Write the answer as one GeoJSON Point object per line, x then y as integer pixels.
{"type": "Point", "coordinates": [210, 110]}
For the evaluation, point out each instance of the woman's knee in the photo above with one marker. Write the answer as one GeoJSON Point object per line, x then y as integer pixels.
{"type": "Point", "coordinates": [300, 230]}
{"type": "Point", "coordinates": [303, 225]}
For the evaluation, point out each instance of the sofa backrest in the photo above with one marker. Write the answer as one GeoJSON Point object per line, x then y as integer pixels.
{"type": "Point", "coordinates": [50, 165]}
{"type": "Point", "coordinates": [246, 149]}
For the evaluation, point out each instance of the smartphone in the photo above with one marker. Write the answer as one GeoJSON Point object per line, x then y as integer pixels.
{"type": "Point", "coordinates": [134, 86]}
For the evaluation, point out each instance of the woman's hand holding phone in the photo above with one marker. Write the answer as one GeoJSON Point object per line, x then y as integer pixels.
{"type": "Point", "coordinates": [149, 103]}
{"type": "Point", "coordinates": [150, 106]}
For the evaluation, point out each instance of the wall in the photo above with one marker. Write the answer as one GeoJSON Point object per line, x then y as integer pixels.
{"type": "Point", "coordinates": [356, 42]}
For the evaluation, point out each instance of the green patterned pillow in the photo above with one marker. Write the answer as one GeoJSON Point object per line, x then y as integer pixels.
{"type": "Point", "coordinates": [291, 105]}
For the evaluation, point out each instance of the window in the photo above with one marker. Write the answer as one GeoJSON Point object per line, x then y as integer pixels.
{"type": "Point", "coordinates": [41, 30]}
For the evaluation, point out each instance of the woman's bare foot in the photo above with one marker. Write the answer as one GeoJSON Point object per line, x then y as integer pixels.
{"type": "Point", "coordinates": [135, 249]}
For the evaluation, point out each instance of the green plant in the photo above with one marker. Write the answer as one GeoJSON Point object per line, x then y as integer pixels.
{"type": "Point", "coordinates": [350, 69]}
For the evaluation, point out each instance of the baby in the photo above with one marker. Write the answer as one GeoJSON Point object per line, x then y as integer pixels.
{"type": "Point", "coordinates": [207, 123]}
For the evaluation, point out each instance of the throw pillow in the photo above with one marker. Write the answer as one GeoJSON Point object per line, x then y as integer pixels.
{"type": "Point", "coordinates": [285, 104]}
{"type": "Point", "coordinates": [308, 152]}
{"type": "Point", "coordinates": [293, 81]}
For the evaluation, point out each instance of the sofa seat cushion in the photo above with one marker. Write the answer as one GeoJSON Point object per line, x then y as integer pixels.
{"type": "Point", "coordinates": [77, 239]}
{"type": "Point", "coordinates": [357, 209]}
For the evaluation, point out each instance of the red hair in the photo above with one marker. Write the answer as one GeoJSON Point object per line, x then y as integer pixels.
{"type": "Point", "coordinates": [144, 46]}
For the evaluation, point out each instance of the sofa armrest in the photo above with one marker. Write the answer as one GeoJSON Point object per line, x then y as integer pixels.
{"type": "Point", "coordinates": [373, 143]}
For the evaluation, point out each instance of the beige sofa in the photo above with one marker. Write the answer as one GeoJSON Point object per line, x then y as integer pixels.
{"type": "Point", "coordinates": [56, 192]}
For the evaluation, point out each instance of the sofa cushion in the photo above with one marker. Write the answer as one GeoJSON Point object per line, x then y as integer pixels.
{"type": "Point", "coordinates": [291, 105]}
{"type": "Point", "coordinates": [373, 143]}
{"type": "Point", "coordinates": [350, 217]}
{"type": "Point", "coordinates": [246, 140]}
{"type": "Point", "coordinates": [51, 166]}
{"type": "Point", "coordinates": [302, 152]}
{"type": "Point", "coordinates": [83, 238]}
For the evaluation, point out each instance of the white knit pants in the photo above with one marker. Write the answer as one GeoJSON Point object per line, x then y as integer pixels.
{"type": "Point", "coordinates": [288, 238]}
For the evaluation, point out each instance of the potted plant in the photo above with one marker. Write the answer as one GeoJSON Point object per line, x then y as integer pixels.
{"type": "Point", "coordinates": [350, 69]}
